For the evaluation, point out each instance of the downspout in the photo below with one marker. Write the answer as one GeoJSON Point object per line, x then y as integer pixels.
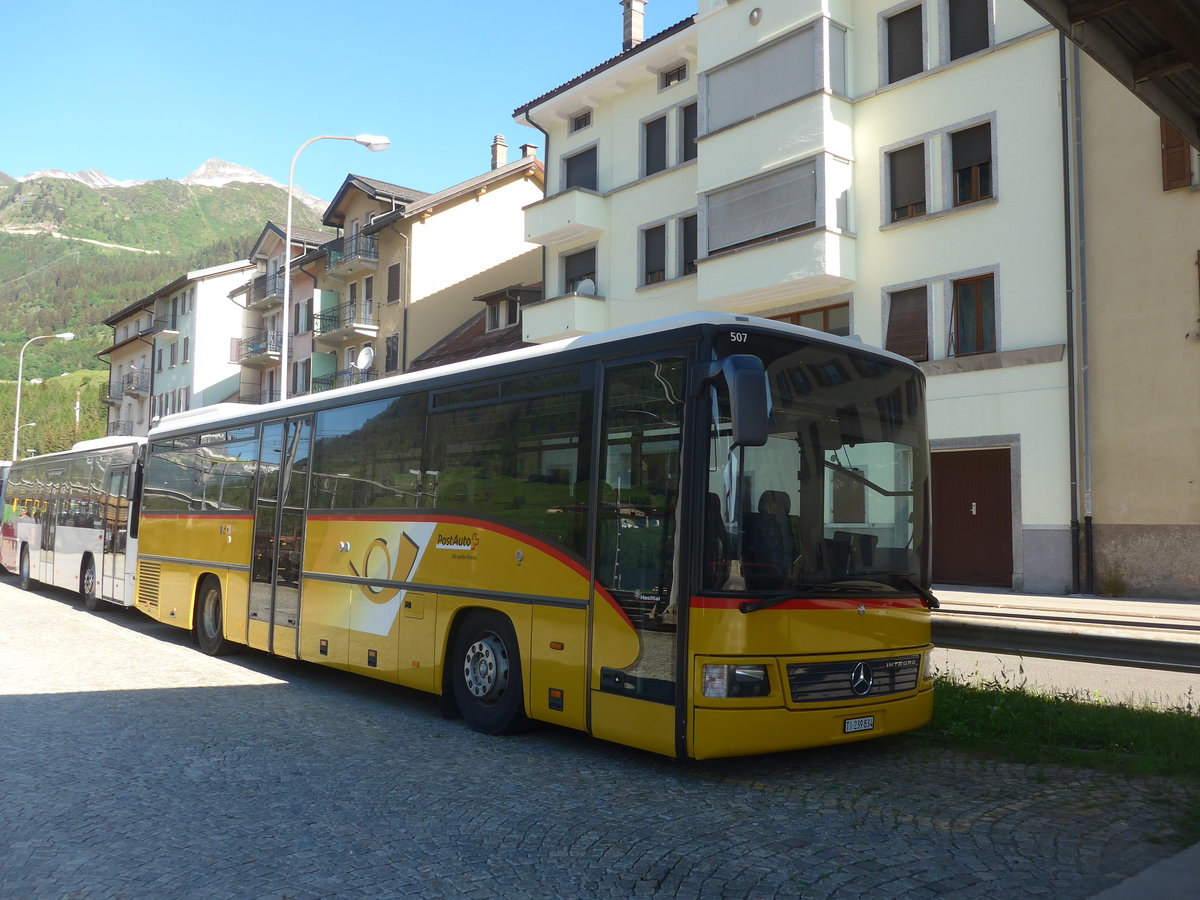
{"type": "Point", "coordinates": [545, 156]}
{"type": "Point", "coordinates": [1084, 362]}
{"type": "Point", "coordinates": [1069, 248]}
{"type": "Point", "coordinates": [405, 284]}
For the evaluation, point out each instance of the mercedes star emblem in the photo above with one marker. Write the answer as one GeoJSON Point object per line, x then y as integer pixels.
{"type": "Point", "coordinates": [861, 679]}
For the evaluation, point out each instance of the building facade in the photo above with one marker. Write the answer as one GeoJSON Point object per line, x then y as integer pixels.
{"type": "Point", "coordinates": [171, 349]}
{"type": "Point", "coordinates": [895, 171]}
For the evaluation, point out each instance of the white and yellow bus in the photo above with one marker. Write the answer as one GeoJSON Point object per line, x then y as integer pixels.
{"type": "Point", "coordinates": [66, 519]}
{"type": "Point", "coordinates": [706, 536]}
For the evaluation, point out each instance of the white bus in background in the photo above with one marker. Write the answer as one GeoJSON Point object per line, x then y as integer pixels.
{"type": "Point", "coordinates": [70, 519]}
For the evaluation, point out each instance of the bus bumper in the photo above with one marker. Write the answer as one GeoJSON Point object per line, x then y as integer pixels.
{"type": "Point", "coordinates": [742, 732]}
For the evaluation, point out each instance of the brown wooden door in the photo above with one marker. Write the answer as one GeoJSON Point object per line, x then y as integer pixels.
{"type": "Point", "coordinates": [972, 518]}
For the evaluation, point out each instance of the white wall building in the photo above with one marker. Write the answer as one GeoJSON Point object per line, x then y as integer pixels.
{"type": "Point", "coordinates": [889, 170]}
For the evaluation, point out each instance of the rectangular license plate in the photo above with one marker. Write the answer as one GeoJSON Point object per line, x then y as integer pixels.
{"type": "Point", "coordinates": [862, 723]}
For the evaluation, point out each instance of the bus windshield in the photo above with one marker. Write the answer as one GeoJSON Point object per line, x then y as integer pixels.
{"type": "Point", "coordinates": [837, 498]}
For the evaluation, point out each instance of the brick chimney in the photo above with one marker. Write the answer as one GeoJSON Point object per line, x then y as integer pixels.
{"type": "Point", "coordinates": [528, 150]}
{"type": "Point", "coordinates": [499, 151]}
{"type": "Point", "coordinates": [635, 12]}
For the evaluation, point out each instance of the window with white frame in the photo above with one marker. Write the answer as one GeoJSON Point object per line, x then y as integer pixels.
{"type": "Point", "coordinates": [773, 205]}
{"type": "Point", "coordinates": [503, 313]}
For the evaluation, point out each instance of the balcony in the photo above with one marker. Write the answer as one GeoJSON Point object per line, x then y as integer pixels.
{"type": "Point", "coordinates": [344, 378]}
{"type": "Point", "coordinates": [120, 429]}
{"type": "Point", "coordinates": [568, 217]}
{"type": "Point", "coordinates": [266, 292]}
{"type": "Point", "coordinates": [353, 256]}
{"type": "Point", "coordinates": [758, 276]}
{"type": "Point", "coordinates": [137, 384]}
{"type": "Point", "coordinates": [111, 393]}
{"type": "Point", "coordinates": [260, 348]}
{"type": "Point", "coordinates": [164, 325]}
{"type": "Point", "coordinates": [350, 321]}
{"type": "Point", "coordinates": [562, 317]}
{"type": "Point", "coordinates": [257, 397]}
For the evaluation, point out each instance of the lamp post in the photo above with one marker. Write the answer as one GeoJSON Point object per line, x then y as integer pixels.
{"type": "Point", "coordinates": [62, 336]}
{"type": "Point", "coordinates": [372, 142]}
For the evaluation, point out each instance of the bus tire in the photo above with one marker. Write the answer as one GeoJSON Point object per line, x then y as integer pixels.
{"type": "Point", "coordinates": [208, 619]}
{"type": "Point", "coordinates": [486, 674]}
{"type": "Point", "coordinates": [87, 584]}
{"type": "Point", "coordinates": [23, 579]}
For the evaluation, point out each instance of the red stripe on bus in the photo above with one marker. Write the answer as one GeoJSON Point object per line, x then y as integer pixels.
{"type": "Point", "coordinates": [205, 517]}
{"type": "Point", "coordinates": [822, 603]}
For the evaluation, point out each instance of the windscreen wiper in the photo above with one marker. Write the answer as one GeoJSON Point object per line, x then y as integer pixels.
{"type": "Point", "coordinates": [905, 580]}
{"type": "Point", "coordinates": [749, 606]}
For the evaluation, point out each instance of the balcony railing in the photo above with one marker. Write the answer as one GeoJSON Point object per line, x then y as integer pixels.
{"type": "Point", "coordinates": [258, 397]}
{"type": "Point", "coordinates": [266, 291]}
{"type": "Point", "coordinates": [111, 393]}
{"type": "Point", "coordinates": [344, 378]}
{"type": "Point", "coordinates": [120, 429]}
{"type": "Point", "coordinates": [342, 323]}
{"type": "Point", "coordinates": [260, 347]}
{"type": "Point", "coordinates": [353, 254]}
{"type": "Point", "coordinates": [165, 325]}
{"type": "Point", "coordinates": [137, 383]}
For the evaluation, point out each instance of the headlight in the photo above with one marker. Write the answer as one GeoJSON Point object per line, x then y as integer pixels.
{"type": "Point", "coordinates": [736, 681]}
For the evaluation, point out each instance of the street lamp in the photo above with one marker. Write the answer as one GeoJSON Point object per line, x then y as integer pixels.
{"type": "Point", "coordinates": [372, 142]}
{"type": "Point", "coordinates": [62, 336]}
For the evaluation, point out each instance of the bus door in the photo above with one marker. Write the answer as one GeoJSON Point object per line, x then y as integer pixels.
{"type": "Point", "coordinates": [51, 510]}
{"type": "Point", "coordinates": [278, 553]}
{"type": "Point", "coordinates": [114, 518]}
{"type": "Point", "coordinates": [635, 607]}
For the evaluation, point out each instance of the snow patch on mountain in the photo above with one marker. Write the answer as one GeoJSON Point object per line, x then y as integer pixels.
{"type": "Point", "coordinates": [93, 178]}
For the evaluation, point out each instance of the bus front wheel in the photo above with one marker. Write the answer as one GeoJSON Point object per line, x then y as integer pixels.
{"type": "Point", "coordinates": [486, 674]}
{"type": "Point", "coordinates": [208, 625]}
{"type": "Point", "coordinates": [87, 585]}
{"type": "Point", "coordinates": [23, 579]}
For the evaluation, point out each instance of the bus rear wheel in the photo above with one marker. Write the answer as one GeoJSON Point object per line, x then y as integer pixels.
{"type": "Point", "coordinates": [87, 585]}
{"type": "Point", "coordinates": [486, 674]}
{"type": "Point", "coordinates": [23, 579]}
{"type": "Point", "coordinates": [208, 622]}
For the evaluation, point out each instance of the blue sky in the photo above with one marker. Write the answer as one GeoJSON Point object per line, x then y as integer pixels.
{"type": "Point", "coordinates": [146, 89]}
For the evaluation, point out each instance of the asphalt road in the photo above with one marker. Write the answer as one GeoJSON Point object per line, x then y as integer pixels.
{"type": "Point", "coordinates": [133, 766]}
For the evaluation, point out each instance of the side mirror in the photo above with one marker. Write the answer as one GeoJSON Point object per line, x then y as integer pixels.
{"type": "Point", "coordinates": [747, 382]}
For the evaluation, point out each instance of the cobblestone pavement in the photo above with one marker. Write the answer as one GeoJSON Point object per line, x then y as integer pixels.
{"type": "Point", "coordinates": [133, 766]}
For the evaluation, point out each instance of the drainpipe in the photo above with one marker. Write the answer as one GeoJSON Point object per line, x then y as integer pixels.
{"type": "Point", "coordinates": [528, 120]}
{"type": "Point", "coordinates": [1069, 260]}
{"type": "Point", "coordinates": [405, 285]}
{"type": "Point", "coordinates": [1084, 361]}
{"type": "Point", "coordinates": [1083, 567]}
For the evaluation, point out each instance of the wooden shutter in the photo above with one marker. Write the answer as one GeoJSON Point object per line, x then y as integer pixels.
{"type": "Point", "coordinates": [393, 285]}
{"type": "Point", "coordinates": [907, 330]}
{"type": "Point", "coordinates": [904, 51]}
{"type": "Point", "coordinates": [1176, 158]}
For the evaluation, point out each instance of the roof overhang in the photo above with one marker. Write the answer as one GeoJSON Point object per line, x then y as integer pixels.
{"type": "Point", "coordinates": [1150, 46]}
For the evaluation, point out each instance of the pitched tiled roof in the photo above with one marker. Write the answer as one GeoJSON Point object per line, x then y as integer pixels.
{"type": "Point", "coordinates": [373, 188]}
{"type": "Point", "coordinates": [607, 64]}
{"type": "Point", "coordinates": [472, 340]}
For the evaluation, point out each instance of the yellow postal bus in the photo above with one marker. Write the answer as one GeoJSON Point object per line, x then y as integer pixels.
{"type": "Point", "coordinates": [704, 536]}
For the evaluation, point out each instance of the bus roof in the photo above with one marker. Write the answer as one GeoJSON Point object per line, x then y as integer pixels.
{"type": "Point", "coordinates": [190, 420]}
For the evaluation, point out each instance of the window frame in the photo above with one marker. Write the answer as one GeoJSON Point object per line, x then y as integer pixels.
{"type": "Point", "coordinates": [662, 162]}
{"type": "Point", "coordinates": [895, 345]}
{"type": "Point", "coordinates": [567, 159]}
{"type": "Point", "coordinates": [646, 276]}
{"type": "Point", "coordinates": [575, 121]}
{"type": "Point", "coordinates": [945, 35]}
{"type": "Point", "coordinates": [976, 170]}
{"type": "Point", "coordinates": [666, 79]}
{"type": "Point", "coordinates": [889, 192]}
{"type": "Point", "coordinates": [953, 348]}
{"type": "Point", "coordinates": [885, 42]}
{"type": "Point", "coordinates": [794, 316]}
{"type": "Point", "coordinates": [575, 252]}
{"type": "Point", "coordinates": [706, 221]}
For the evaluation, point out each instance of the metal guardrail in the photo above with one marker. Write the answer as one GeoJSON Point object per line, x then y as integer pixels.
{"type": "Point", "coordinates": [344, 378]}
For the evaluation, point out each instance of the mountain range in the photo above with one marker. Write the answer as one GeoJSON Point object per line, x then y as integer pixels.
{"type": "Point", "coordinates": [76, 247]}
